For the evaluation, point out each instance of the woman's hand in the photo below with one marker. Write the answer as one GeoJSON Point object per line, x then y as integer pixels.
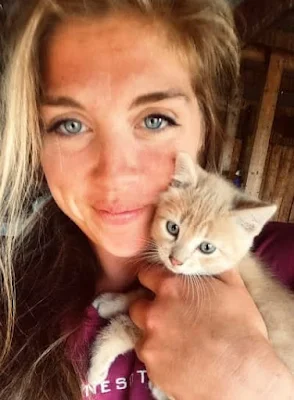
{"type": "Point", "coordinates": [205, 339]}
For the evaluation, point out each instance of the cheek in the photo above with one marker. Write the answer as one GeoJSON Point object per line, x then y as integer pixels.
{"type": "Point", "coordinates": [64, 171]}
{"type": "Point", "coordinates": [157, 166]}
{"type": "Point", "coordinates": [192, 138]}
{"type": "Point", "coordinates": [215, 264]}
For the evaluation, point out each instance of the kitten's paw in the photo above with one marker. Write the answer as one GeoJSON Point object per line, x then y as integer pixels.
{"type": "Point", "coordinates": [100, 364]}
{"type": "Point", "coordinates": [157, 393]}
{"type": "Point", "coordinates": [109, 305]}
{"type": "Point", "coordinates": [97, 375]}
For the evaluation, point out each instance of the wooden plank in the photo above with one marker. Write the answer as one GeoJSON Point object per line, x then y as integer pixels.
{"type": "Point", "coordinates": [252, 96]}
{"type": "Point", "coordinates": [285, 208]}
{"type": "Point", "coordinates": [282, 178]}
{"type": "Point", "coordinates": [255, 54]}
{"type": "Point", "coordinates": [259, 55]}
{"type": "Point", "coordinates": [266, 168]}
{"type": "Point", "coordinates": [259, 15]}
{"type": "Point", "coordinates": [233, 115]}
{"type": "Point", "coordinates": [235, 157]}
{"type": "Point", "coordinates": [291, 219]}
{"type": "Point", "coordinates": [264, 125]}
{"type": "Point", "coordinates": [247, 150]}
{"type": "Point", "coordinates": [277, 39]}
{"type": "Point", "coordinates": [271, 173]}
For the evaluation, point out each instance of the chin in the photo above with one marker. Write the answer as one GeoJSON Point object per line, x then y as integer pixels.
{"type": "Point", "coordinates": [124, 245]}
{"type": "Point", "coordinates": [124, 240]}
{"type": "Point", "coordinates": [124, 249]}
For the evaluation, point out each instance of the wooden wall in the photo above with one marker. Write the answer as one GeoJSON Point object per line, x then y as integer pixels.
{"type": "Point", "coordinates": [278, 181]}
{"type": "Point", "coordinates": [260, 128]}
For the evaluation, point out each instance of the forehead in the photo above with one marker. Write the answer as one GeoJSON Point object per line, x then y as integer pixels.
{"type": "Point", "coordinates": [113, 53]}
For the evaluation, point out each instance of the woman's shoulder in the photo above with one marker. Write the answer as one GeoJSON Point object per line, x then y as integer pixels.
{"type": "Point", "coordinates": [275, 246]}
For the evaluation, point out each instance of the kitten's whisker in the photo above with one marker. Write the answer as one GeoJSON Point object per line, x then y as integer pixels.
{"type": "Point", "coordinates": [196, 287]}
{"type": "Point", "coordinates": [145, 241]}
{"type": "Point", "coordinates": [209, 289]}
{"type": "Point", "coordinates": [205, 292]}
{"type": "Point", "coordinates": [201, 291]}
{"type": "Point", "coordinates": [194, 291]}
{"type": "Point", "coordinates": [145, 257]}
{"type": "Point", "coordinates": [189, 285]}
{"type": "Point", "coordinates": [208, 280]}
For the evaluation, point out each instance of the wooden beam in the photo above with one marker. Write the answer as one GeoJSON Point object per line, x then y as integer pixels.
{"type": "Point", "coordinates": [271, 173]}
{"type": "Point", "coordinates": [291, 218]}
{"type": "Point", "coordinates": [252, 94]}
{"type": "Point", "coordinates": [259, 15]}
{"type": "Point", "coordinates": [235, 157]}
{"type": "Point", "coordinates": [264, 125]}
{"type": "Point", "coordinates": [233, 114]}
{"type": "Point", "coordinates": [282, 179]}
{"type": "Point", "coordinates": [255, 54]}
{"type": "Point", "coordinates": [259, 55]}
{"type": "Point", "coordinates": [285, 208]}
{"type": "Point", "coordinates": [277, 39]}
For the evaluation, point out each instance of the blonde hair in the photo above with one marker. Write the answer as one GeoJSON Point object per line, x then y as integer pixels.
{"type": "Point", "coordinates": [204, 30]}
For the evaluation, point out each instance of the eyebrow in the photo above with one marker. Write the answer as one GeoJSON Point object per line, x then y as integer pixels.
{"type": "Point", "coordinates": [159, 96]}
{"type": "Point", "coordinates": [64, 101]}
{"type": "Point", "coordinates": [61, 101]}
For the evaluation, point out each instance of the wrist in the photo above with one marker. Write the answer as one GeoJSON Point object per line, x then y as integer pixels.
{"type": "Point", "coordinates": [282, 383]}
{"type": "Point", "coordinates": [267, 375]}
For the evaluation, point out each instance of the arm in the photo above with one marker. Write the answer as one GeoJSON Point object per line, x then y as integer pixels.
{"type": "Point", "coordinates": [270, 375]}
{"type": "Point", "coordinates": [205, 339]}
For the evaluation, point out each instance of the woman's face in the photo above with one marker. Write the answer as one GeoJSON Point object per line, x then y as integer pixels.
{"type": "Point", "coordinates": [118, 106]}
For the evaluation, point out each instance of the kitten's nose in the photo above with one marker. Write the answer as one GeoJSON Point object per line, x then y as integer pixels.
{"type": "Point", "coordinates": [174, 261]}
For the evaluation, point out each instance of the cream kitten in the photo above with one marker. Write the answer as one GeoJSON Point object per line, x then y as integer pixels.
{"type": "Point", "coordinates": [202, 226]}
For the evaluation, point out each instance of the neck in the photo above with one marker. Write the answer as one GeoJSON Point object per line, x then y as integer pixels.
{"type": "Point", "coordinates": [118, 273]}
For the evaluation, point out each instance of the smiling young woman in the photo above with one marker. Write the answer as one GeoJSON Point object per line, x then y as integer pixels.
{"type": "Point", "coordinates": [98, 97]}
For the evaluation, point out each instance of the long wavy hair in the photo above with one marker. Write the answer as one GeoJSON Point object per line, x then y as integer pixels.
{"type": "Point", "coordinates": [47, 268]}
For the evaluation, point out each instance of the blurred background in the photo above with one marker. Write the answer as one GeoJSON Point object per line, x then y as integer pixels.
{"type": "Point", "coordinates": [259, 119]}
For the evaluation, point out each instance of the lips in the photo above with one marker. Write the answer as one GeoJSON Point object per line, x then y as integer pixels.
{"type": "Point", "coordinates": [119, 215]}
{"type": "Point", "coordinates": [118, 210]}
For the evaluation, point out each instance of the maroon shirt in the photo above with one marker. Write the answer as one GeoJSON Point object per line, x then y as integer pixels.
{"type": "Point", "coordinates": [127, 379]}
{"type": "Point", "coordinates": [275, 246]}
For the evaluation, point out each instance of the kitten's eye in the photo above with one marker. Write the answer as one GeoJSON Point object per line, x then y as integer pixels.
{"type": "Point", "coordinates": [207, 248]}
{"type": "Point", "coordinates": [172, 228]}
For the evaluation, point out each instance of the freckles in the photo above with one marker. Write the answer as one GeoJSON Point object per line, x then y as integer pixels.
{"type": "Point", "coordinates": [54, 165]}
{"type": "Point", "coordinates": [158, 166]}
{"type": "Point", "coordinates": [61, 158]}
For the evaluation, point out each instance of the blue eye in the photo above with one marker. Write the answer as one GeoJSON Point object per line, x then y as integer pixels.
{"type": "Point", "coordinates": [172, 228]}
{"type": "Point", "coordinates": [207, 248]}
{"type": "Point", "coordinates": [68, 127]}
{"type": "Point", "coordinates": [158, 122]}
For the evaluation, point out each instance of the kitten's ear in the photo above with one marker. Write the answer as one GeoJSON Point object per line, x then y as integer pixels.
{"type": "Point", "coordinates": [252, 214]}
{"type": "Point", "coordinates": [186, 171]}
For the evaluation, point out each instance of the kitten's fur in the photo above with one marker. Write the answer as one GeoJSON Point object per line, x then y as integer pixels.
{"type": "Point", "coordinates": [206, 208]}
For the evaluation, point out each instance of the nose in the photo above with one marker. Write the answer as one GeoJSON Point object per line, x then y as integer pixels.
{"type": "Point", "coordinates": [174, 261]}
{"type": "Point", "coordinates": [117, 162]}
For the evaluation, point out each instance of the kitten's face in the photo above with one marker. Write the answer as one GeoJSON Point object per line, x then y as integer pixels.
{"type": "Point", "coordinates": [188, 243]}
{"type": "Point", "coordinates": [196, 228]}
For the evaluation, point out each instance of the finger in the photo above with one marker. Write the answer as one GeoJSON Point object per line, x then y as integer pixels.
{"type": "Point", "coordinates": [231, 277]}
{"type": "Point", "coordinates": [138, 312]}
{"type": "Point", "coordinates": [152, 277]}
